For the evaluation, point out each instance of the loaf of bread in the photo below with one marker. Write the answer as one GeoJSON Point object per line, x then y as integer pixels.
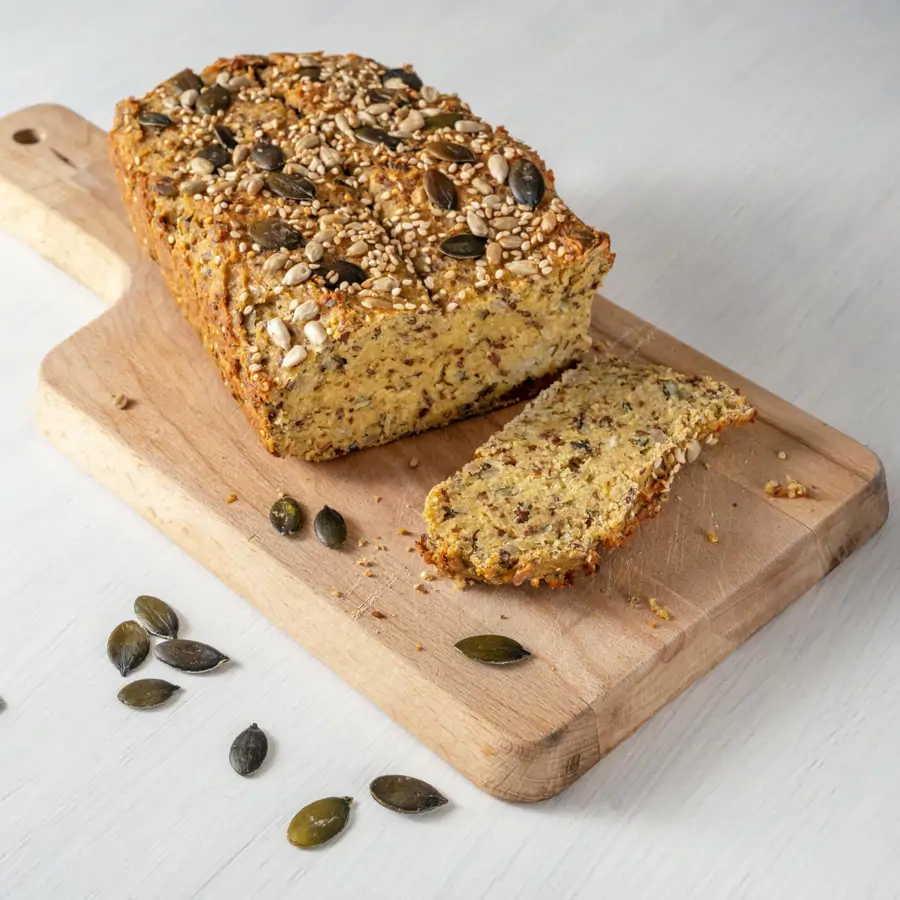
{"type": "Point", "coordinates": [575, 472]}
{"type": "Point", "coordinates": [363, 256]}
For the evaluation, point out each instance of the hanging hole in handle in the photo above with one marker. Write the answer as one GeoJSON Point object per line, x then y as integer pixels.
{"type": "Point", "coordinates": [27, 136]}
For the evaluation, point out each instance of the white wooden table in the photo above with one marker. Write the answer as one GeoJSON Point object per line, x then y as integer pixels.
{"type": "Point", "coordinates": [745, 158]}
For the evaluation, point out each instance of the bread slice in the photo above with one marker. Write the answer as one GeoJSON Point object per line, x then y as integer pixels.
{"type": "Point", "coordinates": [575, 471]}
{"type": "Point", "coordinates": [299, 207]}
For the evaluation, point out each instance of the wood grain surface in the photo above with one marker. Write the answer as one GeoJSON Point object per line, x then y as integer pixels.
{"type": "Point", "coordinates": [743, 157]}
{"type": "Point", "coordinates": [603, 660]}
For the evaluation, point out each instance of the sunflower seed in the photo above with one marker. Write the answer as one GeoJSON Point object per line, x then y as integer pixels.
{"type": "Point", "coordinates": [345, 271]}
{"type": "Point", "coordinates": [463, 246]}
{"type": "Point", "coordinates": [307, 310]}
{"type": "Point", "coordinates": [189, 656]}
{"type": "Point", "coordinates": [510, 242]}
{"type": "Point", "coordinates": [548, 221]}
{"type": "Point", "coordinates": [187, 79]}
{"type": "Point", "coordinates": [329, 156]}
{"type": "Point", "coordinates": [239, 82]}
{"type": "Point", "coordinates": [295, 275]}
{"type": "Point", "coordinates": [386, 284]}
{"type": "Point", "coordinates": [319, 822]}
{"type": "Point", "coordinates": [358, 248]}
{"type": "Point", "coordinates": [476, 224]}
{"type": "Point", "coordinates": [521, 267]}
{"type": "Point", "coordinates": [440, 189]}
{"type": "Point", "coordinates": [223, 78]}
{"type": "Point", "coordinates": [343, 125]}
{"type": "Point", "coordinates": [498, 167]}
{"type": "Point", "coordinates": [494, 253]}
{"type": "Point", "coordinates": [127, 647]}
{"type": "Point", "coordinates": [267, 156]}
{"type": "Point", "coordinates": [156, 616]}
{"type": "Point", "coordinates": [404, 76]}
{"type": "Point", "coordinates": [214, 99]}
{"type": "Point", "coordinates": [505, 223]}
{"type": "Point", "coordinates": [291, 187]}
{"type": "Point", "coordinates": [693, 451]}
{"type": "Point", "coordinates": [526, 182]}
{"type": "Point", "coordinates": [202, 166]}
{"type": "Point", "coordinates": [308, 141]}
{"type": "Point", "coordinates": [449, 152]}
{"type": "Point", "coordinates": [405, 794]}
{"type": "Point", "coordinates": [255, 183]}
{"type": "Point", "coordinates": [492, 648]}
{"type": "Point", "coordinates": [315, 333]}
{"type": "Point", "coordinates": [188, 98]}
{"type": "Point", "coordinates": [216, 154]}
{"type": "Point", "coordinates": [470, 126]}
{"type": "Point", "coordinates": [165, 187]}
{"type": "Point", "coordinates": [429, 94]}
{"type": "Point", "coordinates": [145, 693]}
{"type": "Point", "coordinates": [194, 186]}
{"type": "Point", "coordinates": [225, 136]}
{"type": "Point", "coordinates": [272, 234]}
{"type": "Point", "coordinates": [153, 120]}
{"type": "Point", "coordinates": [330, 527]}
{"type": "Point", "coordinates": [377, 136]}
{"type": "Point", "coordinates": [275, 263]}
{"type": "Point", "coordinates": [248, 750]}
{"type": "Point", "coordinates": [286, 516]}
{"type": "Point", "coordinates": [279, 333]}
{"type": "Point", "coordinates": [413, 122]}
{"type": "Point", "coordinates": [294, 357]}
{"type": "Point", "coordinates": [377, 109]}
{"type": "Point", "coordinates": [482, 186]}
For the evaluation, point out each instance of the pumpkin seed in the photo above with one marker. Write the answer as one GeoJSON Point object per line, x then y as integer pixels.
{"type": "Point", "coordinates": [156, 616]}
{"type": "Point", "coordinates": [127, 647]}
{"type": "Point", "coordinates": [272, 234]}
{"type": "Point", "coordinates": [372, 135]}
{"type": "Point", "coordinates": [225, 136]}
{"type": "Point", "coordinates": [345, 271]}
{"type": "Point", "coordinates": [286, 516]}
{"type": "Point", "coordinates": [410, 79]}
{"type": "Point", "coordinates": [330, 527]}
{"type": "Point", "coordinates": [441, 190]}
{"type": "Point", "coordinates": [449, 151]}
{"type": "Point", "coordinates": [248, 750]}
{"type": "Point", "coordinates": [214, 99]}
{"type": "Point", "coordinates": [319, 822]}
{"type": "Point", "coordinates": [267, 156]}
{"type": "Point", "coordinates": [291, 187]}
{"type": "Point", "coordinates": [404, 794]}
{"type": "Point", "coordinates": [186, 80]}
{"type": "Point", "coordinates": [492, 648]}
{"type": "Point", "coordinates": [216, 154]}
{"type": "Point", "coordinates": [463, 246]}
{"type": "Point", "coordinates": [145, 693]}
{"type": "Point", "coordinates": [441, 120]}
{"type": "Point", "coordinates": [154, 120]}
{"type": "Point", "coordinates": [189, 656]}
{"type": "Point", "coordinates": [313, 73]}
{"type": "Point", "coordinates": [526, 182]}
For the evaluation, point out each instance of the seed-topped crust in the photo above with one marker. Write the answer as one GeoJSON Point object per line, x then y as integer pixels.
{"type": "Point", "coordinates": [419, 260]}
{"type": "Point", "coordinates": [574, 472]}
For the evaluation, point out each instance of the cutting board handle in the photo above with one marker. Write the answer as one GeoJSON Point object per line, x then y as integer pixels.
{"type": "Point", "coordinates": [57, 194]}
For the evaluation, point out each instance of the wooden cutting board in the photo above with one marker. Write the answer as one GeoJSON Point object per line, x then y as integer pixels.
{"type": "Point", "coordinates": [602, 665]}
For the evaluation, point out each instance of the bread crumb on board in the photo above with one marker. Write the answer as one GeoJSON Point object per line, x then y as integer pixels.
{"type": "Point", "coordinates": [231, 497]}
{"type": "Point", "coordinates": [378, 614]}
{"type": "Point", "coordinates": [791, 490]}
{"type": "Point", "coordinates": [712, 537]}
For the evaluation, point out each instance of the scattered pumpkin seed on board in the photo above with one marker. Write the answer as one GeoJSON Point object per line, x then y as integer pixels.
{"type": "Point", "coordinates": [330, 527]}
{"type": "Point", "coordinates": [319, 822]}
{"type": "Point", "coordinates": [145, 693]}
{"type": "Point", "coordinates": [286, 516]}
{"type": "Point", "coordinates": [156, 616]}
{"type": "Point", "coordinates": [405, 794]}
{"type": "Point", "coordinates": [127, 646]}
{"type": "Point", "coordinates": [494, 649]}
{"type": "Point", "coordinates": [189, 656]}
{"type": "Point", "coordinates": [248, 750]}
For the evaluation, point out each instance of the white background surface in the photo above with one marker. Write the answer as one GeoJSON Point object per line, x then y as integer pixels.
{"type": "Point", "coordinates": [745, 158]}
